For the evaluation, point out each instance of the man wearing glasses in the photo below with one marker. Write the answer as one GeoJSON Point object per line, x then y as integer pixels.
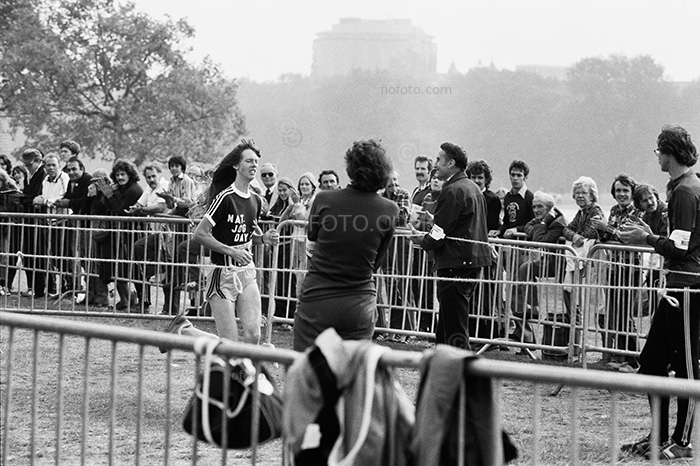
{"type": "Point", "coordinates": [268, 174]}
{"type": "Point", "coordinates": [672, 341]}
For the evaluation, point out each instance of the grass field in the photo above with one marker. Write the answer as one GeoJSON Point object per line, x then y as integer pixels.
{"type": "Point", "coordinates": [141, 423]}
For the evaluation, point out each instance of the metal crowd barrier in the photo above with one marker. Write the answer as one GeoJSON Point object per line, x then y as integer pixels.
{"type": "Point", "coordinates": [82, 264]}
{"type": "Point", "coordinates": [622, 293]}
{"type": "Point", "coordinates": [512, 306]}
{"type": "Point", "coordinates": [80, 392]}
{"type": "Point", "coordinates": [536, 309]}
{"type": "Point", "coordinates": [527, 299]}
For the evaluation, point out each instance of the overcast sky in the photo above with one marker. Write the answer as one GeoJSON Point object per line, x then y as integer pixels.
{"type": "Point", "coordinates": [262, 39]}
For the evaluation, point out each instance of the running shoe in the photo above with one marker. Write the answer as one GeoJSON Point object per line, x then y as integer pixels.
{"type": "Point", "coordinates": [670, 450]}
{"type": "Point", "coordinates": [641, 447]}
{"type": "Point", "coordinates": [176, 326]}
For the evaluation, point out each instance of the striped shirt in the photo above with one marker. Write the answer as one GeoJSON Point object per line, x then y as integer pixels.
{"type": "Point", "coordinates": [183, 187]}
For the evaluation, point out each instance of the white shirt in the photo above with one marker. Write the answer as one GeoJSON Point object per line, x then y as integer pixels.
{"type": "Point", "coordinates": [54, 190]}
{"type": "Point", "coordinates": [522, 191]}
{"type": "Point", "coordinates": [149, 198]}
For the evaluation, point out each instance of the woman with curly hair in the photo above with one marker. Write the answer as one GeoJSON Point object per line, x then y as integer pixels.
{"type": "Point", "coordinates": [123, 192]}
{"type": "Point", "coordinates": [5, 163]}
{"type": "Point", "coordinates": [349, 232]}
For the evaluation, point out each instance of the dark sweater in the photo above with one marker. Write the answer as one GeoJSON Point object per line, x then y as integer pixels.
{"type": "Point", "coordinates": [493, 210]}
{"type": "Point", "coordinates": [34, 189]}
{"type": "Point", "coordinates": [352, 230]}
{"type": "Point", "coordinates": [658, 220]}
{"type": "Point", "coordinates": [547, 230]}
{"type": "Point", "coordinates": [517, 211]}
{"type": "Point", "coordinates": [77, 194]}
{"type": "Point", "coordinates": [683, 215]}
{"type": "Point", "coordinates": [124, 197]}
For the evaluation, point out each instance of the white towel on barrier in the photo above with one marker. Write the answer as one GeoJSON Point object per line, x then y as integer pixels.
{"type": "Point", "coordinates": [581, 252]}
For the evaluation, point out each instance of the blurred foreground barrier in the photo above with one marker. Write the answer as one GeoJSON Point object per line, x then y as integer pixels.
{"type": "Point", "coordinates": [80, 392]}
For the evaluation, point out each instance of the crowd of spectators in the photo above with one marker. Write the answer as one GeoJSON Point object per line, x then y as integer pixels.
{"type": "Point", "coordinates": [83, 257]}
{"type": "Point", "coordinates": [137, 255]}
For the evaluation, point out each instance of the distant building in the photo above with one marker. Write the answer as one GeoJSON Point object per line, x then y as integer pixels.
{"type": "Point", "coordinates": [363, 44]}
{"type": "Point", "coordinates": [546, 71]}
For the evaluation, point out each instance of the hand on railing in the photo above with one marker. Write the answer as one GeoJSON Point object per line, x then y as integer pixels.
{"type": "Point", "coordinates": [271, 237]}
{"type": "Point", "coordinates": [634, 232]}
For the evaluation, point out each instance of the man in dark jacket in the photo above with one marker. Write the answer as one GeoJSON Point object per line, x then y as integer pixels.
{"type": "Point", "coordinates": [76, 200]}
{"type": "Point", "coordinates": [76, 194]}
{"type": "Point", "coordinates": [35, 238]}
{"type": "Point", "coordinates": [672, 340]}
{"type": "Point", "coordinates": [459, 241]}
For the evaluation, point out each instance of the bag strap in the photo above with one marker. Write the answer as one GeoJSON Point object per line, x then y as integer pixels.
{"type": "Point", "coordinates": [248, 369]}
{"type": "Point", "coordinates": [374, 353]}
{"type": "Point", "coordinates": [327, 417]}
{"type": "Point", "coordinates": [206, 383]}
{"type": "Point", "coordinates": [211, 345]}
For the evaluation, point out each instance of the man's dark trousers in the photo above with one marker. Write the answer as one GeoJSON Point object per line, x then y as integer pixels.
{"type": "Point", "coordinates": [455, 297]}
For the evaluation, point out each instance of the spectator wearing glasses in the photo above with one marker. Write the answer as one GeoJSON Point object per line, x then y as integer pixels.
{"type": "Point", "coordinates": [268, 174]}
{"type": "Point", "coordinates": [672, 340]}
{"type": "Point", "coordinates": [201, 181]}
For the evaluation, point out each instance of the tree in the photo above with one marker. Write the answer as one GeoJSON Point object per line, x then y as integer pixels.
{"type": "Point", "coordinates": [113, 79]}
{"type": "Point", "coordinates": [617, 107]}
